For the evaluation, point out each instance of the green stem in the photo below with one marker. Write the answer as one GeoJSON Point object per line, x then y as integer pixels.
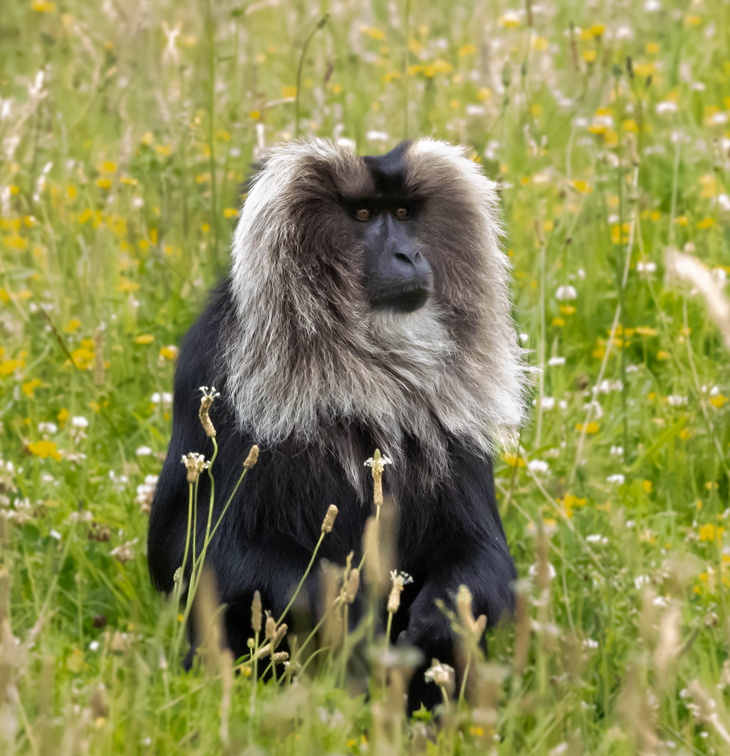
{"type": "Point", "coordinates": [301, 582]}
{"type": "Point", "coordinates": [300, 67]}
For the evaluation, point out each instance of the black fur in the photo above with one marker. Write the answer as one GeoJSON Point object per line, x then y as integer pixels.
{"type": "Point", "coordinates": [444, 538]}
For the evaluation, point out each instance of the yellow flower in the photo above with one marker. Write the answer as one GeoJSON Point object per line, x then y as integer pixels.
{"type": "Point", "coordinates": [104, 183]}
{"type": "Point", "coordinates": [43, 6]}
{"type": "Point", "coordinates": [647, 485]}
{"type": "Point", "coordinates": [590, 428]}
{"type": "Point", "coordinates": [83, 357]}
{"type": "Point", "coordinates": [645, 331]}
{"type": "Point", "coordinates": [581, 186]}
{"type": "Point", "coordinates": [44, 449]}
{"type": "Point", "coordinates": [126, 285]}
{"type": "Point", "coordinates": [710, 532]}
{"type": "Point", "coordinates": [289, 91]}
{"type": "Point", "coordinates": [146, 138]}
{"type": "Point", "coordinates": [567, 309]}
{"type": "Point", "coordinates": [514, 460]}
{"type": "Point", "coordinates": [467, 50]}
{"type": "Point", "coordinates": [597, 30]}
{"type": "Point", "coordinates": [693, 20]}
{"type": "Point", "coordinates": [8, 367]}
{"type": "Point", "coordinates": [571, 502]}
{"type": "Point", "coordinates": [30, 386]}
{"type": "Point", "coordinates": [705, 223]}
{"type": "Point", "coordinates": [439, 66]}
{"type": "Point", "coordinates": [230, 212]}
{"type": "Point", "coordinates": [145, 338]}
{"type": "Point", "coordinates": [169, 352]}
{"type": "Point", "coordinates": [644, 69]}
{"type": "Point", "coordinates": [662, 354]}
{"type": "Point", "coordinates": [540, 43]}
{"type": "Point", "coordinates": [373, 32]}
{"type": "Point", "coordinates": [718, 401]}
{"type": "Point", "coordinates": [164, 150]}
{"type": "Point", "coordinates": [484, 93]}
{"type": "Point", "coordinates": [107, 166]}
{"type": "Point", "coordinates": [652, 48]}
{"type": "Point", "coordinates": [510, 20]}
{"type": "Point", "coordinates": [589, 56]}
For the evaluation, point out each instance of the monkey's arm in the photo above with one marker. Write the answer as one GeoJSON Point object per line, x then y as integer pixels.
{"type": "Point", "coordinates": [196, 367]}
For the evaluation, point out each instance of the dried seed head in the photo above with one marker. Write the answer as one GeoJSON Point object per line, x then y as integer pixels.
{"type": "Point", "coordinates": [351, 586]}
{"type": "Point", "coordinates": [399, 580]}
{"type": "Point", "coordinates": [442, 675]}
{"type": "Point", "coordinates": [270, 628]}
{"type": "Point", "coordinates": [279, 636]}
{"type": "Point", "coordinates": [195, 464]}
{"type": "Point", "coordinates": [474, 627]}
{"type": "Point", "coordinates": [377, 464]}
{"type": "Point", "coordinates": [280, 657]}
{"type": "Point", "coordinates": [209, 394]}
{"type": "Point", "coordinates": [329, 519]}
{"type": "Point", "coordinates": [252, 458]}
{"type": "Point", "coordinates": [256, 614]}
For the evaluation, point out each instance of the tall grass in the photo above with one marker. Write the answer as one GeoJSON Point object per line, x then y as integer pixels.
{"type": "Point", "coordinates": [126, 132]}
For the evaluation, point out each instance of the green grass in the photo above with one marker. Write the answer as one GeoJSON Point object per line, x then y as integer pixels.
{"type": "Point", "coordinates": [607, 126]}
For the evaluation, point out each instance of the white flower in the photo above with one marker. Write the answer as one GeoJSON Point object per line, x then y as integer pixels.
{"type": "Point", "coordinates": [377, 136]}
{"type": "Point", "coordinates": [617, 451]}
{"type": "Point", "coordinates": [616, 480]}
{"type": "Point", "coordinates": [143, 451]}
{"type": "Point", "coordinates": [665, 107]}
{"type": "Point", "coordinates": [675, 400]}
{"type": "Point", "coordinates": [47, 428]}
{"type": "Point", "coordinates": [538, 466]}
{"type": "Point", "coordinates": [79, 422]}
{"type": "Point", "coordinates": [524, 338]}
{"type": "Point", "coordinates": [195, 464]}
{"type": "Point", "coordinates": [566, 293]}
{"type": "Point", "coordinates": [547, 403]}
{"type": "Point", "coordinates": [646, 267]}
{"type": "Point", "coordinates": [551, 571]}
{"type": "Point", "coordinates": [161, 398]}
{"type": "Point", "coordinates": [597, 538]}
{"type": "Point", "coordinates": [590, 643]}
{"type": "Point", "coordinates": [641, 581]}
{"type": "Point", "coordinates": [553, 361]}
{"type": "Point", "coordinates": [378, 464]}
{"type": "Point", "coordinates": [210, 393]}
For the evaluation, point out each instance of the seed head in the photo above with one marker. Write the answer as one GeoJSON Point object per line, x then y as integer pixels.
{"type": "Point", "coordinates": [377, 464]}
{"type": "Point", "coordinates": [329, 519]}
{"type": "Point", "coordinates": [256, 615]}
{"type": "Point", "coordinates": [195, 464]}
{"type": "Point", "coordinates": [252, 458]}
{"type": "Point", "coordinates": [441, 674]}
{"type": "Point", "coordinates": [209, 394]}
{"type": "Point", "coordinates": [399, 580]}
{"type": "Point", "coordinates": [351, 586]}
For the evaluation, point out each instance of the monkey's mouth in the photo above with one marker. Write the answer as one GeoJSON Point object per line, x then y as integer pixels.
{"type": "Point", "coordinates": [404, 298]}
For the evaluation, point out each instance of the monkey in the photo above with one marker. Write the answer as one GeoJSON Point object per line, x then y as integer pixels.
{"type": "Point", "coordinates": [367, 306]}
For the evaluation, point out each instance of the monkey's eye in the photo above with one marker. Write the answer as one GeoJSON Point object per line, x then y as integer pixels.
{"type": "Point", "coordinates": [364, 214]}
{"type": "Point", "coordinates": [402, 213]}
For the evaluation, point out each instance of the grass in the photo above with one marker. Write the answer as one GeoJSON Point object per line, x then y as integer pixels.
{"type": "Point", "coordinates": [126, 132]}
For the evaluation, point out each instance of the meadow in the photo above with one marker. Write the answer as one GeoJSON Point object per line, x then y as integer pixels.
{"type": "Point", "coordinates": [127, 131]}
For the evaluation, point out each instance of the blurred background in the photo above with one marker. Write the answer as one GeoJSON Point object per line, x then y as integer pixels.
{"type": "Point", "coordinates": [127, 132]}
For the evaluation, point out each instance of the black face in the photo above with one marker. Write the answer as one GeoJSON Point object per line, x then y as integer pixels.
{"type": "Point", "coordinates": [396, 274]}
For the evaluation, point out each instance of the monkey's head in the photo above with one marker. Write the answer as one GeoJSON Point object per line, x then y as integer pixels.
{"type": "Point", "coordinates": [373, 289]}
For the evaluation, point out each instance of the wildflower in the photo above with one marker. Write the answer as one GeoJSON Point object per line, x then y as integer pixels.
{"type": "Point", "coordinates": [399, 580]}
{"type": "Point", "coordinates": [538, 466]}
{"type": "Point", "coordinates": [77, 421]}
{"type": "Point", "coordinates": [377, 464]}
{"type": "Point", "coordinates": [143, 451]}
{"type": "Point", "coordinates": [565, 293]}
{"type": "Point", "coordinates": [646, 267]}
{"type": "Point", "coordinates": [195, 464]}
{"type": "Point", "coordinates": [547, 403]}
{"type": "Point", "coordinates": [209, 394]}
{"type": "Point", "coordinates": [555, 361]}
{"type": "Point", "coordinates": [47, 429]}
{"type": "Point", "coordinates": [677, 401]}
{"type": "Point", "coordinates": [164, 398]}
{"type": "Point", "coordinates": [442, 675]}
{"type": "Point", "coordinates": [616, 480]}
{"type": "Point", "coordinates": [44, 450]}
{"type": "Point", "coordinates": [125, 552]}
{"type": "Point", "coordinates": [666, 107]}
{"type": "Point", "coordinates": [551, 572]}
{"type": "Point", "coordinates": [617, 451]}
{"type": "Point", "coordinates": [710, 532]}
